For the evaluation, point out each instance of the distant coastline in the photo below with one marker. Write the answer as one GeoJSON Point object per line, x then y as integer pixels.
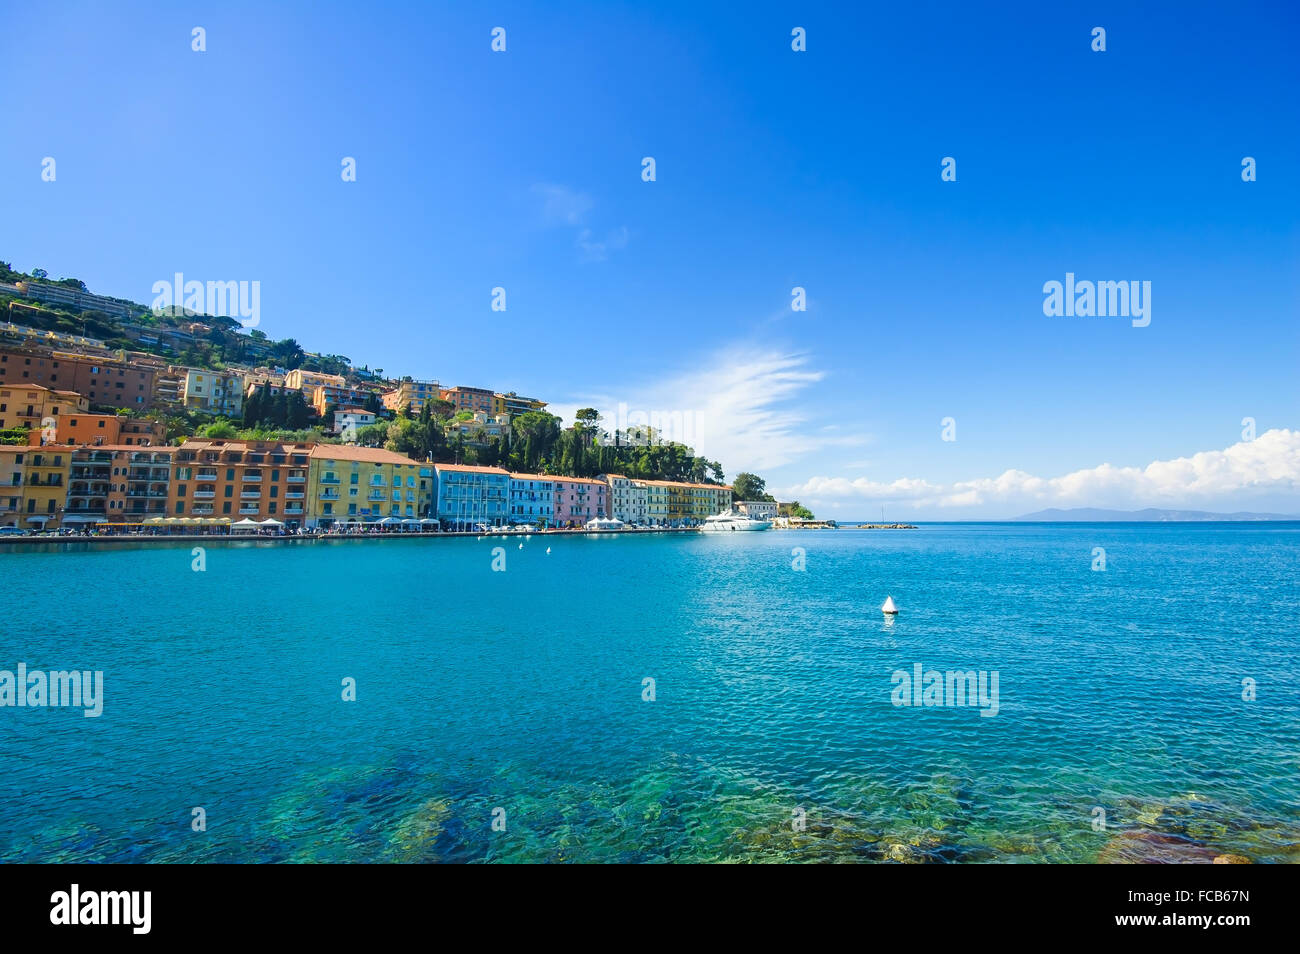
{"type": "Point", "coordinates": [1149, 515]}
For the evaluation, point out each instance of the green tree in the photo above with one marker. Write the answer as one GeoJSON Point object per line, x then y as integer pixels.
{"type": "Point", "coordinates": [750, 487]}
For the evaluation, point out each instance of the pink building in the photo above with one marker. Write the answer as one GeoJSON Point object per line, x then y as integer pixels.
{"type": "Point", "coordinates": [578, 500]}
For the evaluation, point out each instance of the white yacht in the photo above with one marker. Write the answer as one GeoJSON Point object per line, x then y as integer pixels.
{"type": "Point", "coordinates": [731, 522]}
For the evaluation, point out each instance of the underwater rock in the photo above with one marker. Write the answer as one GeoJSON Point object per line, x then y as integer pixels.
{"type": "Point", "coordinates": [413, 838]}
{"type": "Point", "coordinates": [1153, 848]}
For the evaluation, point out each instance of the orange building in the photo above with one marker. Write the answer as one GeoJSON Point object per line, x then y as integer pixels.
{"type": "Point", "coordinates": [99, 429]}
{"type": "Point", "coordinates": [118, 483]}
{"type": "Point", "coordinates": [101, 380]}
{"type": "Point", "coordinates": [252, 480]}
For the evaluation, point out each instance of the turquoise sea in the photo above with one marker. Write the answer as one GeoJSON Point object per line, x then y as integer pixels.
{"type": "Point", "coordinates": [518, 695]}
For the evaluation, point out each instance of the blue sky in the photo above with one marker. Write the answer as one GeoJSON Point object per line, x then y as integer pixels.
{"type": "Point", "coordinates": [818, 169]}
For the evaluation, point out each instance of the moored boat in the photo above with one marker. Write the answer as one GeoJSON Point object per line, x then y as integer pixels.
{"type": "Point", "coordinates": [733, 522]}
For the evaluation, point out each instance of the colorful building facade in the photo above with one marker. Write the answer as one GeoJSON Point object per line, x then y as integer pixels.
{"type": "Point", "coordinates": [578, 500]}
{"type": "Point", "coordinates": [252, 480]}
{"type": "Point", "coordinates": [470, 399]}
{"type": "Point", "coordinates": [29, 405]}
{"type": "Point", "coordinates": [468, 496]}
{"type": "Point", "coordinates": [532, 499]}
{"type": "Point", "coordinates": [103, 380]}
{"type": "Point", "coordinates": [213, 392]}
{"type": "Point", "coordinates": [351, 484]}
{"type": "Point", "coordinates": [412, 394]}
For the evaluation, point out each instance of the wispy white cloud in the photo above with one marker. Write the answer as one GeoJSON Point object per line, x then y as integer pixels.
{"type": "Point", "coordinates": [563, 207]}
{"type": "Point", "coordinates": [1267, 466]}
{"type": "Point", "coordinates": [740, 407]}
{"type": "Point", "coordinates": [597, 250]}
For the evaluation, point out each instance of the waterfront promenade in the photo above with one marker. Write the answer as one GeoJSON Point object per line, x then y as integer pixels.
{"type": "Point", "coordinates": [115, 539]}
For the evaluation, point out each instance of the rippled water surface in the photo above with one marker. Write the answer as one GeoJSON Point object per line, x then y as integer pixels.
{"type": "Point", "coordinates": [1120, 692]}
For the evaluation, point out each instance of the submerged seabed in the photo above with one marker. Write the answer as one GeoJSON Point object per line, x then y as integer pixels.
{"type": "Point", "coordinates": [680, 809]}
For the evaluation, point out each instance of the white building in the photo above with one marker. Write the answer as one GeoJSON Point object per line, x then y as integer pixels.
{"type": "Point", "coordinates": [656, 506]}
{"type": "Point", "coordinates": [628, 499]}
{"type": "Point", "coordinates": [759, 509]}
{"type": "Point", "coordinates": [348, 419]}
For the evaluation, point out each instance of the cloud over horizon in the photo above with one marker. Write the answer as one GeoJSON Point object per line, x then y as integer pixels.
{"type": "Point", "coordinates": [1249, 470]}
{"type": "Point", "coordinates": [736, 409]}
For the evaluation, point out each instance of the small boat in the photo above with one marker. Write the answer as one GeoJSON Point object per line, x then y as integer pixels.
{"type": "Point", "coordinates": [889, 607]}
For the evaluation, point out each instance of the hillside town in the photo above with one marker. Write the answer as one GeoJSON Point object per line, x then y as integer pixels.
{"type": "Point", "coordinates": [181, 420]}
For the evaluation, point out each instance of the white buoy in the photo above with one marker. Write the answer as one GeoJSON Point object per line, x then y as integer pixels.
{"type": "Point", "coordinates": [548, 549]}
{"type": "Point", "coordinates": [889, 608]}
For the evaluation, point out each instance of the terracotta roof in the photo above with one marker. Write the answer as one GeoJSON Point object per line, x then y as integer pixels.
{"type": "Point", "coordinates": [682, 483]}
{"type": "Point", "coordinates": [145, 448]}
{"type": "Point", "coordinates": [550, 477]}
{"type": "Point", "coordinates": [369, 455]}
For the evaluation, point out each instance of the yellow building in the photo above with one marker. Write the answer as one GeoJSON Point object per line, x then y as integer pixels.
{"type": "Point", "coordinates": [13, 468]}
{"type": "Point", "coordinates": [412, 394]}
{"type": "Point", "coordinates": [215, 392]}
{"type": "Point", "coordinates": [45, 486]}
{"type": "Point", "coordinates": [680, 506]}
{"type": "Point", "coordinates": [300, 380]}
{"type": "Point", "coordinates": [512, 404]}
{"type": "Point", "coordinates": [29, 404]}
{"type": "Point", "coordinates": [687, 503]}
{"type": "Point", "coordinates": [348, 484]}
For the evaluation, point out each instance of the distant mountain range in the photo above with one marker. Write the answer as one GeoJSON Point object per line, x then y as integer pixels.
{"type": "Point", "coordinates": [1150, 515]}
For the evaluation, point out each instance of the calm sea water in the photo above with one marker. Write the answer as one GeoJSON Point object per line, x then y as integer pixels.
{"type": "Point", "coordinates": [519, 695]}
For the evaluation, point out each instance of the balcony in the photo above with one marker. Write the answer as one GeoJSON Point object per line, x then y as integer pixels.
{"type": "Point", "coordinates": [148, 493]}
{"type": "Point", "coordinates": [294, 495]}
{"type": "Point", "coordinates": [299, 478]}
{"type": "Point", "coordinates": [376, 495]}
{"type": "Point", "coordinates": [204, 494]}
{"type": "Point", "coordinates": [249, 510]}
{"type": "Point", "coordinates": [252, 478]}
{"type": "Point", "coordinates": [206, 475]}
{"type": "Point", "coordinates": [250, 495]}
{"type": "Point", "coordinates": [200, 510]}
{"type": "Point", "coordinates": [293, 511]}
{"type": "Point", "coordinates": [329, 480]}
